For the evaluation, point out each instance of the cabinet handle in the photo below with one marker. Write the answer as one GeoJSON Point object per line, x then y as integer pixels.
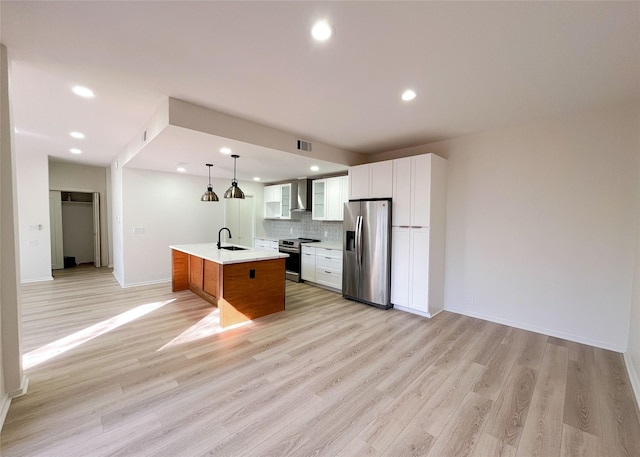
{"type": "Point", "coordinates": [328, 257]}
{"type": "Point", "coordinates": [327, 272]}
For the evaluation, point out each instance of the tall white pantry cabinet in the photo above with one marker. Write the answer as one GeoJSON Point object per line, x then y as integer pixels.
{"type": "Point", "coordinates": [418, 234]}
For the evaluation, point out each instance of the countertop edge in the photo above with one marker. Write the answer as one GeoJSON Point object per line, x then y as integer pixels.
{"type": "Point", "coordinates": [209, 251]}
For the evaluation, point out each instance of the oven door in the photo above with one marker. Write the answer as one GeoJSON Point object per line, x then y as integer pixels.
{"type": "Point", "coordinates": [291, 263]}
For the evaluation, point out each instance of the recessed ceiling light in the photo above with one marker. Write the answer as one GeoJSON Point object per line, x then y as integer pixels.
{"type": "Point", "coordinates": [225, 150]}
{"type": "Point", "coordinates": [181, 169]}
{"type": "Point", "coordinates": [78, 135]}
{"type": "Point", "coordinates": [75, 151]}
{"type": "Point", "coordinates": [83, 91]}
{"type": "Point", "coordinates": [314, 168]}
{"type": "Point", "coordinates": [408, 95]}
{"type": "Point", "coordinates": [321, 30]}
{"type": "Point", "coordinates": [256, 178]}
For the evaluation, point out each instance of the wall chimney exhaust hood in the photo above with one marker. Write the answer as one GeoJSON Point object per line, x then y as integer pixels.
{"type": "Point", "coordinates": [302, 201]}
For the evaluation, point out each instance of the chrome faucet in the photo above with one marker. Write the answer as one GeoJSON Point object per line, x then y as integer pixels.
{"type": "Point", "coordinates": [219, 232]}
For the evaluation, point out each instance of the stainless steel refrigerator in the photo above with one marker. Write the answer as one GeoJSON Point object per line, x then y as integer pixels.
{"type": "Point", "coordinates": [366, 260]}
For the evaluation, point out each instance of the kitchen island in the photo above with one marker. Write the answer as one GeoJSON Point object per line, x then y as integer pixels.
{"type": "Point", "coordinates": [244, 284]}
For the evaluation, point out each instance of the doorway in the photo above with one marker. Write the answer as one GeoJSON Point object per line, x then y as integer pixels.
{"type": "Point", "coordinates": [75, 228]}
{"type": "Point", "coordinates": [239, 217]}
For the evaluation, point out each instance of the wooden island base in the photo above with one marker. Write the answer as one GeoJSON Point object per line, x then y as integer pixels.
{"type": "Point", "coordinates": [241, 291]}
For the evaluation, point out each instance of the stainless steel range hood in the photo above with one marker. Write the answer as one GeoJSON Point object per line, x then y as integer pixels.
{"type": "Point", "coordinates": [302, 202]}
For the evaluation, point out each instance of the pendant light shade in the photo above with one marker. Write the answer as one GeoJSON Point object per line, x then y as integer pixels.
{"type": "Point", "coordinates": [234, 191]}
{"type": "Point", "coordinates": [209, 195]}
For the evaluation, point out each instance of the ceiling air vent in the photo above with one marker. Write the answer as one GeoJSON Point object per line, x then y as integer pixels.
{"type": "Point", "coordinates": [304, 145]}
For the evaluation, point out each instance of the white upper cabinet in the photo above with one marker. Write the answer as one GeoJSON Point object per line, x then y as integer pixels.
{"type": "Point", "coordinates": [329, 195]}
{"type": "Point", "coordinates": [273, 194]}
{"type": "Point", "coordinates": [318, 206]}
{"type": "Point", "coordinates": [277, 201]}
{"type": "Point", "coordinates": [402, 194]}
{"type": "Point", "coordinates": [359, 181]}
{"type": "Point", "coordinates": [412, 191]}
{"type": "Point", "coordinates": [285, 212]}
{"type": "Point", "coordinates": [371, 180]}
{"type": "Point", "coordinates": [381, 181]}
{"type": "Point", "coordinates": [421, 183]}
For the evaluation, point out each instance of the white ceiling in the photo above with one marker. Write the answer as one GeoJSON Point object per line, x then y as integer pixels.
{"type": "Point", "coordinates": [475, 66]}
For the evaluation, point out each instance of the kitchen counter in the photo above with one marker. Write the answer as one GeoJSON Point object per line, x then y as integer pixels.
{"type": "Point", "coordinates": [244, 285]}
{"type": "Point", "coordinates": [209, 251]}
{"type": "Point", "coordinates": [327, 245]}
{"type": "Point", "coordinates": [268, 238]}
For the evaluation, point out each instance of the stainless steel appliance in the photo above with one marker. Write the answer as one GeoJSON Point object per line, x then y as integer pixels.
{"type": "Point", "coordinates": [366, 269]}
{"type": "Point", "coordinates": [302, 199]}
{"type": "Point", "coordinates": [293, 262]}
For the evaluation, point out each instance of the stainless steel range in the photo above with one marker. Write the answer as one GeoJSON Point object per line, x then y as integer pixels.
{"type": "Point", "coordinates": [293, 262]}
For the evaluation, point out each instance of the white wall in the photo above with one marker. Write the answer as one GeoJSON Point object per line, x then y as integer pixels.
{"type": "Point", "coordinates": [632, 356]}
{"type": "Point", "coordinates": [542, 226]}
{"type": "Point", "coordinates": [12, 380]}
{"type": "Point", "coordinates": [168, 207]}
{"type": "Point", "coordinates": [33, 215]}
{"type": "Point", "coordinates": [82, 178]}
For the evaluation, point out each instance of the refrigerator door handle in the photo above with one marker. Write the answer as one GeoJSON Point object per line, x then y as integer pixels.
{"type": "Point", "coordinates": [359, 240]}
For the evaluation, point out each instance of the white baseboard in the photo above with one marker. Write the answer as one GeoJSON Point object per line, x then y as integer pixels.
{"type": "Point", "coordinates": [542, 330]}
{"type": "Point", "coordinates": [322, 286]}
{"type": "Point", "coordinates": [5, 402]}
{"type": "Point", "coordinates": [144, 283]}
{"type": "Point", "coordinates": [120, 281]}
{"type": "Point", "coordinates": [24, 385]}
{"type": "Point", "coordinates": [27, 281]}
{"type": "Point", "coordinates": [413, 311]}
{"type": "Point", "coordinates": [633, 377]}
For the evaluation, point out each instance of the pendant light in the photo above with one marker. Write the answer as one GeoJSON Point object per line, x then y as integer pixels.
{"type": "Point", "coordinates": [234, 191]}
{"type": "Point", "coordinates": [209, 195]}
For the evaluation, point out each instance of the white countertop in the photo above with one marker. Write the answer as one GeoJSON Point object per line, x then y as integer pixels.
{"type": "Point", "coordinates": [268, 238]}
{"type": "Point", "coordinates": [326, 245]}
{"type": "Point", "coordinates": [209, 251]}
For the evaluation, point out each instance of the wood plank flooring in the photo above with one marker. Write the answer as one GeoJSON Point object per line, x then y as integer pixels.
{"type": "Point", "coordinates": [326, 377]}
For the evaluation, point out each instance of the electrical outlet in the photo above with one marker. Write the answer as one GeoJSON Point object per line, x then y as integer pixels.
{"type": "Point", "coordinates": [33, 243]}
{"type": "Point", "coordinates": [290, 230]}
{"type": "Point", "coordinates": [469, 299]}
{"type": "Point", "coordinates": [326, 233]}
{"type": "Point", "coordinates": [138, 230]}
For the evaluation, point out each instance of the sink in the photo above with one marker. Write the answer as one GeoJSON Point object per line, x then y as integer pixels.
{"type": "Point", "coordinates": [233, 248]}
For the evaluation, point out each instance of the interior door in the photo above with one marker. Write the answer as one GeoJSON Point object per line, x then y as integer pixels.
{"type": "Point", "coordinates": [96, 230]}
{"type": "Point", "coordinates": [55, 227]}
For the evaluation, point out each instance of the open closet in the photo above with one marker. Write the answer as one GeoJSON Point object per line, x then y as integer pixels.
{"type": "Point", "coordinates": [75, 228]}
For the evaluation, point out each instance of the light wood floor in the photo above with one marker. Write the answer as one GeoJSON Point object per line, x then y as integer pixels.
{"type": "Point", "coordinates": [327, 377]}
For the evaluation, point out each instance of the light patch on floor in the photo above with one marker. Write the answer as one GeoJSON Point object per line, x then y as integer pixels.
{"type": "Point", "coordinates": [207, 326]}
{"type": "Point", "coordinates": [48, 351]}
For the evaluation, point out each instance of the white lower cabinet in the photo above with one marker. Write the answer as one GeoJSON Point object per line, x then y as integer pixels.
{"type": "Point", "coordinates": [263, 243]}
{"type": "Point", "coordinates": [329, 267]}
{"type": "Point", "coordinates": [410, 270]}
{"type": "Point", "coordinates": [322, 266]}
{"type": "Point", "coordinates": [308, 264]}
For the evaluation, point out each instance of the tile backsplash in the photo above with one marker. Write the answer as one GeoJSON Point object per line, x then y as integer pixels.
{"type": "Point", "coordinates": [301, 225]}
